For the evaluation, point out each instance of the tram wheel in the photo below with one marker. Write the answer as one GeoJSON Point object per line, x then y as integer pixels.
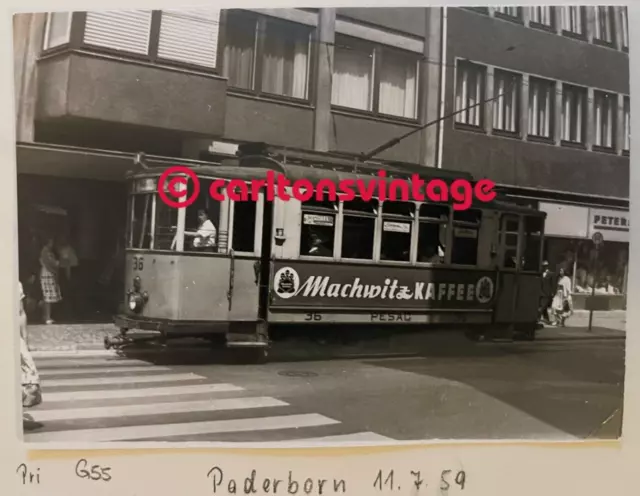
{"type": "Point", "coordinates": [250, 356]}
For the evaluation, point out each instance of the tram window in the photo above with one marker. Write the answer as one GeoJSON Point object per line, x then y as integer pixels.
{"type": "Point", "coordinates": [244, 226]}
{"type": "Point", "coordinates": [166, 226]}
{"type": "Point", "coordinates": [359, 223]}
{"type": "Point", "coordinates": [317, 233]}
{"type": "Point", "coordinates": [195, 222]}
{"type": "Point", "coordinates": [397, 222]}
{"type": "Point", "coordinates": [509, 238]}
{"type": "Point", "coordinates": [141, 221]}
{"type": "Point", "coordinates": [432, 233]}
{"type": "Point", "coordinates": [466, 226]}
{"type": "Point", "coordinates": [533, 227]}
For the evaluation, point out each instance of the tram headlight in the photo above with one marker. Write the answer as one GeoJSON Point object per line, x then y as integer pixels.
{"type": "Point", "coordinates": [137, 300]}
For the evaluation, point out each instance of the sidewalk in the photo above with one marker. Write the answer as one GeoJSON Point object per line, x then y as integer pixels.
{"type": "Point", "coordinates": [60, 337]}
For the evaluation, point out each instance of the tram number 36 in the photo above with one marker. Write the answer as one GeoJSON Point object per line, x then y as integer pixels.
{"type": "Point", "coordinates": [138, 263]}
{"type": "Point", "coordinates": [312, 316]}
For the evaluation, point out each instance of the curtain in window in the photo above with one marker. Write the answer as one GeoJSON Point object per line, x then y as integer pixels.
{"type": "Point", "coordinates": [468, 93]}
{"type": "Point", "coordinates": [572, 118]}
{"type": "Point", "coordinates": [239, 52]}
{"type": "Point", "coordinates": [352, 78]}
{"type": "Point", "coordinates": [505, 107]}
{"type": "Point", "coordinates": [398, 84]}
{"type": "Point", "coordinates": [286, 62]}
{"type": "Point", "coordinates": [572, 19]}
{"type": "Point", "coordinates": [626, 126]}
{"type": "Point", "coordinates": [539, 109]}
{"type": "Point", "coordinates": [604, 120]}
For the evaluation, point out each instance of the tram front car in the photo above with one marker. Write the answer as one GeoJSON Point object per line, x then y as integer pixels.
{"type": "Point", "coordinates": [183, 269]}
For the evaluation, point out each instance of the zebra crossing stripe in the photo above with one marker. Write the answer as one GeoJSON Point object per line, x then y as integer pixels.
{"type": "Point", "coordinates": [87, 362]}
{"type": "Point", "coordinates": [140, 432]}
{"type": "Point", "coordinates": [137, 393]}
{"type": "Point", "coordinates": [101, 381]}
{"type": "Point", "coordinates": [102, 370]}
{"type": "Point", "coordinates": [155, 409]}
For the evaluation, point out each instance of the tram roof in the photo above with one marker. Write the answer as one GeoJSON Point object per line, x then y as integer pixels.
{"type": "Point", "coordinates": [255, 160]}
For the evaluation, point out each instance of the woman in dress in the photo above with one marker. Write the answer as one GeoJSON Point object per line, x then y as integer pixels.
{"type": "Point", "coordinates": [49, 267]}
{"type": "Point", "coordinates": [562, 302]}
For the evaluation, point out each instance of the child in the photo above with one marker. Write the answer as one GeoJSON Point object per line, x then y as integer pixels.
{"type": "Point", "coordinates": [560, 306]}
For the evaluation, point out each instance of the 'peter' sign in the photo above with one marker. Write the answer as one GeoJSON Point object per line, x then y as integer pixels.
{"type": "Point", "coordinates": [300, 284]}
{"type": "Point", "coordinates": [614, 225]}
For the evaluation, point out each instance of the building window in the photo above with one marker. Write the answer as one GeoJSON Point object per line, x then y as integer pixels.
{"type": "Point", "coordinates": [624, 26]}
{"type": "Point", "coordinates": [57, 30]}
{"type": "Point", "coordinates": [398, 84]}
{"type": "Point", "coordinates": [573, 113]}
{"type": "Point", "coordinates": [470, 80]}
{"type": "Point", "coordinates": [572, 20]}
{"type": "Point", "coordinates": [603, 21]}
{"type": "Point", "coordinates": [541, 107]}
{"type": "Point", "coordinates": [190, 36]}
{"type": "Point", "coordinates": [267, 55]}
{"type": "Point", "coordinates": [626, 124]}
{"type": "Point", "coordinates": [605, 105]}
{"type": "Point", "coordinates": [506, 111]}
{"type": "Point", "coordinates": [541, 16]}
{"type": "Point", "coordinates": [124, 30]}
{"type": "Point", "coordinates": [509, 12]}
{"type": "Point", "coordinates": [375, 79]}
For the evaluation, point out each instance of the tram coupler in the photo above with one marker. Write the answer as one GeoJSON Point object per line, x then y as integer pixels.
{"type": "Point", "coordinates": [122, 340]}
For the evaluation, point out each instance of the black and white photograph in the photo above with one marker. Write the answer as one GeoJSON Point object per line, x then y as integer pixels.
{"type": "Point", "coordinates": [170, 291]}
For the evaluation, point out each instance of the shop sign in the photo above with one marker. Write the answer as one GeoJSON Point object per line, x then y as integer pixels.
{"type": "Point", "coordinates": [308, 284]}
{"type": "Point", "coordinates": [614, 225]}
{"type": "Point", "coordinates": [318, 220]}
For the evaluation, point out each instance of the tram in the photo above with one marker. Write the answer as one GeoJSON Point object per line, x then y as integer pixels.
{"type": "Point", "coordinates": [338, 263]}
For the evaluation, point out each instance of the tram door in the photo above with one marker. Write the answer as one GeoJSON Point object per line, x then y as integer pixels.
{"type": "Point", "coordinates": [264, 269]}
{"type": "Point", "coordinates": [509, 238]}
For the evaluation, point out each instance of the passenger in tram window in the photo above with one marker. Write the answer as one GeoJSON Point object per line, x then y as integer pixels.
{"type": "Point", "coordinates": [430, 246]}
{"type": "Point", "coordinates": [205, 237]}
{"type": "Point", "coordinates": [317, 246]}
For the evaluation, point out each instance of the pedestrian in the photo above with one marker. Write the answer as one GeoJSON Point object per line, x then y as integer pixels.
{"type": "Point", "coordinates": [49, 267]}
{"type": "Point", "coordinates": [562, 301]}
{"type": "Point", "coordinates": [30, 379]}
{"type": "Point", "coordinates": [68, 263]}
{"type": "Point", "coordinates": [547, 292]}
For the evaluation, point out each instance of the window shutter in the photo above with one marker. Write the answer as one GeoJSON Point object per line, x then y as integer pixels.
{"type": "Point", "coordinates": [126, 30]}
{"type": "Point", "coordinates": [190, 36]}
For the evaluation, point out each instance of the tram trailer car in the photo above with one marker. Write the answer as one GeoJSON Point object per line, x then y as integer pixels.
{"type": "Point", "coordinates": [357, 263]}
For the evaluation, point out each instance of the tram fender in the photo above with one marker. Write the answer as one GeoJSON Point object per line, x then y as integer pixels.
{"type": "Point", "coordinates": [248, 334]}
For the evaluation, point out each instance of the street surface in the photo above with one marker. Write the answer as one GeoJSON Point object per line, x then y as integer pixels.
{"type": "Point", "coordinates": [528, 390]}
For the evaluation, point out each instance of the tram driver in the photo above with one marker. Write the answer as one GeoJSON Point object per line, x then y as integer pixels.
{"type": "Point", "coordinates": [205, 237]}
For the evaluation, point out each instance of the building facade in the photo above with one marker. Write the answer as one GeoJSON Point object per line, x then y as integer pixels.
{"type": "Point", "coordinates": [556, 135]}
{"type": "Point", "coordinates": [95, 88]}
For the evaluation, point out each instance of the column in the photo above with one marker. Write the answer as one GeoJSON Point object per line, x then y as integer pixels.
{"type": "Point", "coordinates": [324, 70]}
{"type": "Point", "coordinates": [28, 39]}
{"type": "Point", "coordinates": [557, 114]}
{"type": "Point", "coordinates": [430, 85]}
{"type": "Point", "coordinates": [524, 107]}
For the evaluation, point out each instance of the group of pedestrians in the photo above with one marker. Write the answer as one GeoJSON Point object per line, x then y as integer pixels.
{"type": "Point", "coordinates": [556, 305]}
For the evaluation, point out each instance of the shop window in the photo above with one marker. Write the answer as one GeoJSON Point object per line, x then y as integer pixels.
{"type": "Point", "coordinates": [607, 269]}
{"type": "Point", "coordinates": [541, 107]}
{"type": "Point", "coordinates": [397, 227]}
{"type": "Point", "coordinates": [202, 217]}
{"type": "Point", "coordinates": [533, 227]}
{"type": "Point", "coordinates": [244, 226]}
{"type": "Point", "coordinates": [506, 109]}
{"type": "Point", "coordinates": [359, 222]}
{"type": "Point", "coordinates": [470, 80]}
{"type": "Point", "coordinates": [466, 227]}
{"type": "Point", "coordinates": [432, 233]}
{"type": "Point", "coordinates": [317, 233]}
{"type": "Point", "coordinates": [509, 234]}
